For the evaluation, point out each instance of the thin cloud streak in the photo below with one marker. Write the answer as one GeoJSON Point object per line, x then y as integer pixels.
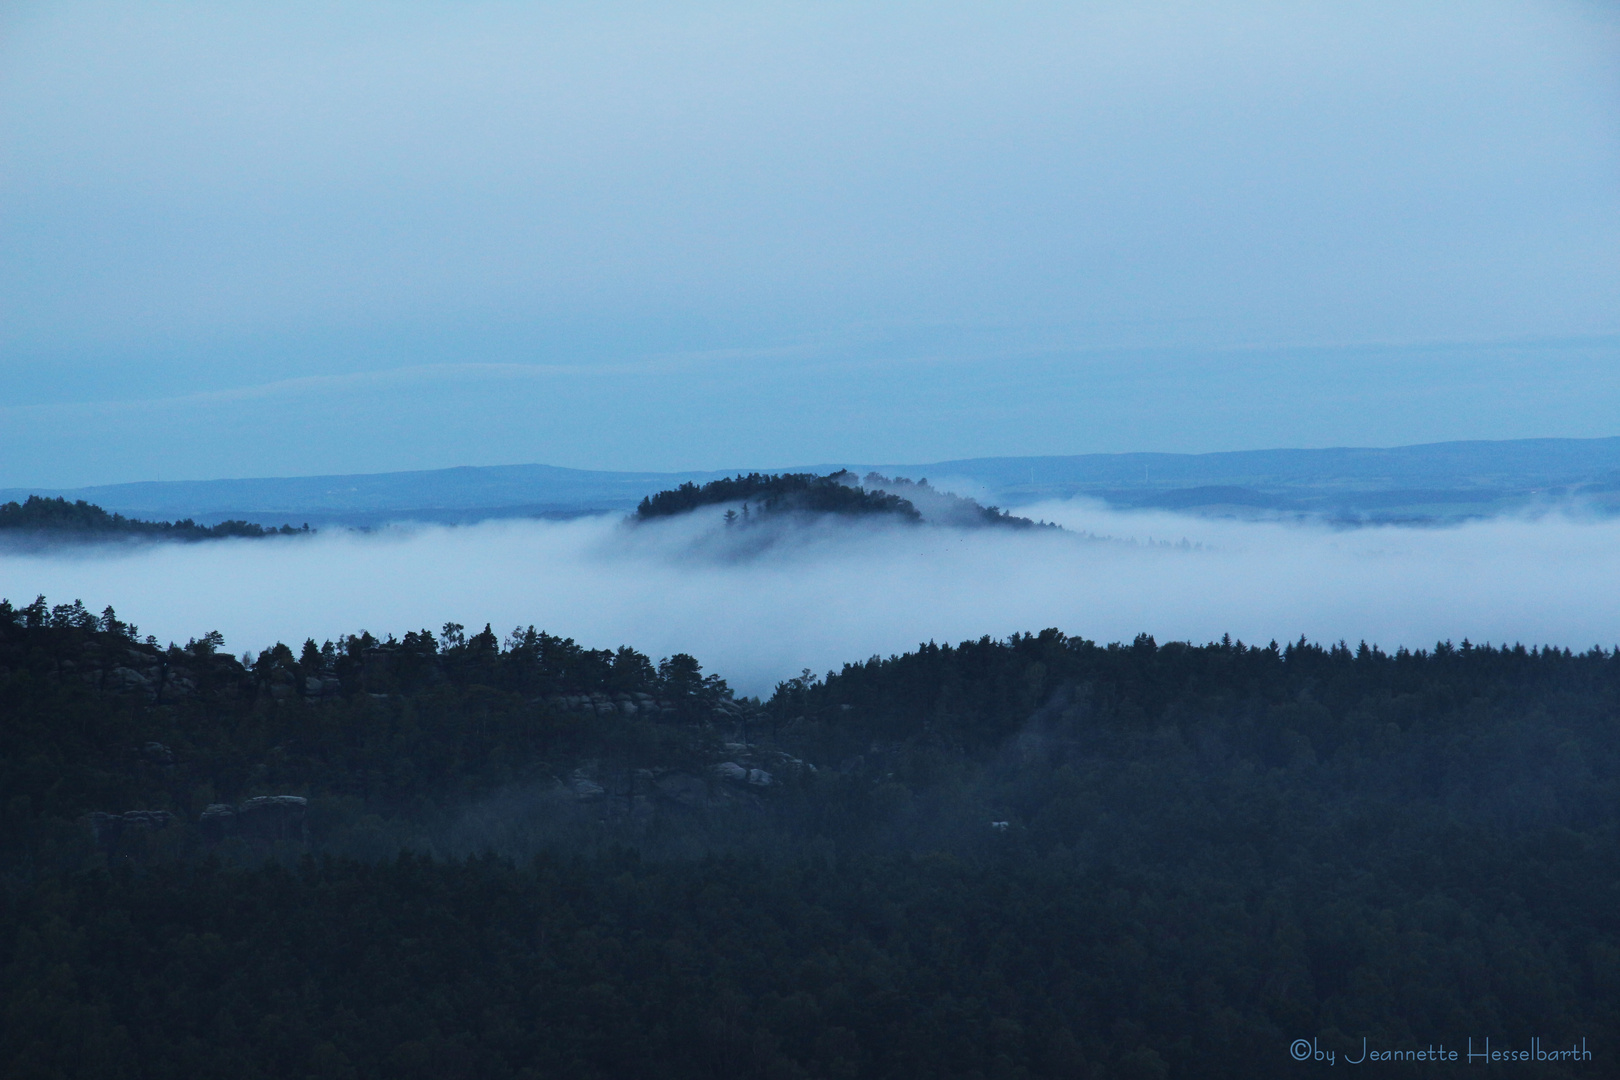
{"type": "Point", "coordinates": [837, 593]}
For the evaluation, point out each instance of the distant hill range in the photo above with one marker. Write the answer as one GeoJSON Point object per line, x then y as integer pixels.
{"type": "Point", "coordinates": [1431, 482]}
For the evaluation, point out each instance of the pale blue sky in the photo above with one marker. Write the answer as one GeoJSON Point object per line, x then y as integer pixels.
{"type": "Point", "coordinates": [333, 238]}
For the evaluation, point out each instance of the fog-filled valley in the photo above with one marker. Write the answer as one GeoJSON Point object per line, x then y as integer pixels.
{"type": "Point", "coordinates": [831, 591]}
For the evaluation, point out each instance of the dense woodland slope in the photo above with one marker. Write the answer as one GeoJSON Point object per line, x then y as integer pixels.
{"type": "Point", "coordinates": [451, 855]}
{"type": "Point", "coordinates": [57, 518]}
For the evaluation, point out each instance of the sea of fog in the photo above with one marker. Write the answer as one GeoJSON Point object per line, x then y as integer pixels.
{"type": "Point", "coordinates": [757, 607]}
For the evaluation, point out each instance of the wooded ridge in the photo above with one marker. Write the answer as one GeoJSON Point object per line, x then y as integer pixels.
{"type": "Point", "coordinates": [454, 854]}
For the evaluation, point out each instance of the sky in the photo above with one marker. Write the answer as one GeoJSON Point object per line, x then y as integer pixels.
{"type": "Point", "coordinates": [247, 240]}
{"type": "Point", "coordinates": [840, 592]}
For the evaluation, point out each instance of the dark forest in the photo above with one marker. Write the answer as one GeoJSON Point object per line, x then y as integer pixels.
{"type": "Point", "coordinates": [457, 855]}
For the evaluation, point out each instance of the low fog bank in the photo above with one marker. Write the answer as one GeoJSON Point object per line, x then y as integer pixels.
{"type": "Point", "coordinates": [819, 595]}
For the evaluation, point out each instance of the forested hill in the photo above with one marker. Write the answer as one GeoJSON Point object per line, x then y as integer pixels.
{"type": "Point", "coordinates": [767, 495]}
{"type": "Point", "coordinates": [770, 494]}
{"type": "Point", "coordinates": [56, 517]}
{"type": "Point", "coordinates": [453, 855]}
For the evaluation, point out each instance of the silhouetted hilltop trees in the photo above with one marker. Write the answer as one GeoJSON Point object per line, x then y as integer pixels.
{"type": "Point", "coordinates": [763, 495]}
{"type": "Point", "coordinates": [81, 519]}
{"type": "Point", "coordinates": [769, 493]}
{"type": "Point", "coordinates": [454, 854]}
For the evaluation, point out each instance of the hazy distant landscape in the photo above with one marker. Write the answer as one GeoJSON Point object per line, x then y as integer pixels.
{"type": "Point", "coordinates": [1430, 483]}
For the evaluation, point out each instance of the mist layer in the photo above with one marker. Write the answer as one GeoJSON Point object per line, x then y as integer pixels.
{"type": "Point", "coordinates": [819, 595]}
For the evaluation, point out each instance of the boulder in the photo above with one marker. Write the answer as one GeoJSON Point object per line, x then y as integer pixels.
{"type": "Point", "coordinates": [146, 819]}
{"type": "Point", "coordinates": [108, 829]}
{"type": "Point", "coordinates": [730, 770]}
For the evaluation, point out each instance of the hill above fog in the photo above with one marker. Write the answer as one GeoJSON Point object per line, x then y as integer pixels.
{"type": "Point", "coordinates": [773, 495]}
{"type": "Point", "coordinates": [1436, 481]}
{"type": "Point", "coordinates": [758, 497]}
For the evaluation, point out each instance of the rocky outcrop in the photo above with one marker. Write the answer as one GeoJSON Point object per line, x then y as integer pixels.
{"type": "Point", "coordinates": [218, 821]}
{"type": "Point", "coordinates": [177, 683]}
{"type": "Point", "coordinates": [734, 773]}
{"type": "Point", "coordinates": [322, 686]}
{"type": "Point", "coordinates": [147, 673]}
{"type": "Point", "coordinates": [155, 753]}
{"type": "Point", "coordinates": [600, 703]}
{"type": "Point", "coordinates": [272, 817]}
{"type": "Point", "coordinates": [584, 788]}
{"type": "Point", "coordinates": [267, 817]}
{"type": "Point", "coordinates": [123, 680]}
{"type": "Point", "coordinates": [109, 829]}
